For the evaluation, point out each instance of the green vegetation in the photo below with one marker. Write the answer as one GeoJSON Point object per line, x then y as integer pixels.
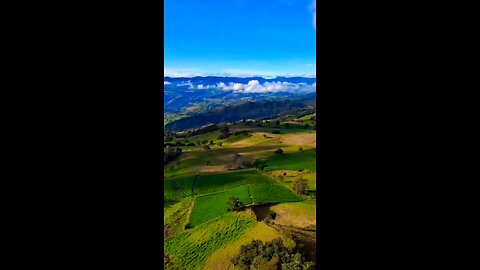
{"type": "Point", "coordinates": [212, 206]}
{"type": "Point", "coordinates": [177, 188]}
{"type": "Point", "coordinates": [190, 249]}
{"type": "Point", "coordinates": [271, 255]}
{"type": "Point", "coordinates": [223, 181]}
{"type": "Point", "coordinates": [272, 194]}
{"type": "Point", "coordinates": [175, 216]}
{"type": "Point", "coordinates": [292, 161]}
{"type": "Point", "coordinates": [300, 187]}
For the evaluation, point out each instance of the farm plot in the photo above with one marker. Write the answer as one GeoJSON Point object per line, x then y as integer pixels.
{"type": "Point", "coordinates": [292, 161]}
{"type": "Point", "coordinates": [211, 206]}
{"type": "Point", "coordinates": [272, 194]}
{"type": "Point", "coordinates": [177, 188]}
{"type": "Point", "coordinates": [221, 182]}
{"type": "Point", "coordinates": [190, 249]}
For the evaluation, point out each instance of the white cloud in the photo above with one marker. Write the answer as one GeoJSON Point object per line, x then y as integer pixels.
{"type": "Point", "coordinates": [187, 83]}
{"type": "Point", "coordinates": [165, 83]}
{"type": "Point", "coordinates": [254, 86]}
{"type": "Point", "coordinates": [201, 86]}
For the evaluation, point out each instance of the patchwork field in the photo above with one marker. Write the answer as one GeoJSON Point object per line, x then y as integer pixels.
{"type": "Point", "coordinates": [198, 184]}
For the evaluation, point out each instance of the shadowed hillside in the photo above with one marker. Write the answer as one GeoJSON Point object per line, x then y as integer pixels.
{"type": "Point", "coordinates": [247, 110]}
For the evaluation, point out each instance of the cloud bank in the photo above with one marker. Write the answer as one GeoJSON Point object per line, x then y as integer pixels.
{"type": "Point", "coordinates": [254, 86]}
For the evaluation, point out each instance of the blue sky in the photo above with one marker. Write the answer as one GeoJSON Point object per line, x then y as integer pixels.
{"type": "Point", "coordinates": [240, 37]}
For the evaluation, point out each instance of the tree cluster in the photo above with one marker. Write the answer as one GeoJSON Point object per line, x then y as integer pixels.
{"type": "Point", "coordinates": [171, 153]}
{"type": "Point", "coordinates": [271, 255]}
{"type": "Point", "coordinates": [225, 132]}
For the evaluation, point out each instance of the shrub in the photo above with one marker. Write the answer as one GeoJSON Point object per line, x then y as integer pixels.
{"type": "Point", "coordinates": [279, 151]}
{"type": "Point", "coordinates": [234, 204]}
{"type": "Point", "coordinates": [300, 186]}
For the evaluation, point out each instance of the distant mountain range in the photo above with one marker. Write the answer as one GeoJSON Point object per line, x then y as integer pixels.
{"type": "Point", "coordinates": [215, 80]}
{"type": "Point", "coordinates": [197, 94]}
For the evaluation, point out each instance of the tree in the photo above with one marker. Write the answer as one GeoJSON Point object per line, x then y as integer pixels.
{"type": "Point", "coordinates": [224, 132]}
{"type": "Point", "coordinates": [234, 204]}
{"type": "Point", "coordinates": [279, 151]}
{"type": "Point", "coordinates": [300, 149]}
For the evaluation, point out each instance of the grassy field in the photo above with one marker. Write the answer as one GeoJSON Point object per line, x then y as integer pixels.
{"type": "Point", "coordinates": [215, 205]}
{"type": "Point", "coordinates": [221, 259]}
{"type": "Point", "coordinates": [190, 249]}
{"type": "Point", "coordinates": [272, 194]}
{"type": "Point", "coordinates": [177, 188]}
{"type": "Point", "coordinates": [176, 215]}
{"type": "Point", "coordinates": [291, 177]}
{"type": "Point", "coordinates": [219, 182]}
{"type": "Point", "coordinates": [293, 161]}
{"type": "Point", "coordinates": [296, 214]}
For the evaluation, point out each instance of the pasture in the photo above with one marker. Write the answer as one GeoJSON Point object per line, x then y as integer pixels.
{"type": "Point", "coordinates": [177, 188]}
{"type": "Point", "coordinates": [210, 183]}
{"type": "Point", "coordinates": [212, 206]}
{"type": "Point", "coordinates": [292, 161]}
{"type": "Point", "coordinates": [272, 194]}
